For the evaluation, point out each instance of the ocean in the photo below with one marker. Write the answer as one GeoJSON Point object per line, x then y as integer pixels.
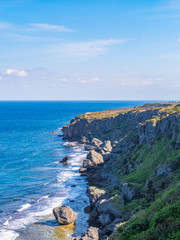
{"type": "Point", "coordinates": [32, 181]}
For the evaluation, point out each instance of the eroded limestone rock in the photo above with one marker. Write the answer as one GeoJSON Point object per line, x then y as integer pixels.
{"type": "Point", "coordinates": [64, 215]}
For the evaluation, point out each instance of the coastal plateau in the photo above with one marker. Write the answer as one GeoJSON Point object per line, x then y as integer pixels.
{"type": "Point", "coordinates": [133, 169]}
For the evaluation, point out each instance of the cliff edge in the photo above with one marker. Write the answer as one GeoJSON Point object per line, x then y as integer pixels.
{"type": "Point", "coordinates": [133, 169]}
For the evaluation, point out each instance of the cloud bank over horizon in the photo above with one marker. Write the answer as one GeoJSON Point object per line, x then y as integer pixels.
{"type": "Point", "coordinates": [98, 50]}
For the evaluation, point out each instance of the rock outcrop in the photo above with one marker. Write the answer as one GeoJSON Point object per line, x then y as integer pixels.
{"type": "Point", "coordinates": [93, 159]}
{"type": "Point", "coordinates": [91, 234]}
{"type": "Point", "coordinates": [64, 160]}
{"type": "Point", "coordinates": [64, 215]}
{"type": "Point", "coordinates": [132, 157]}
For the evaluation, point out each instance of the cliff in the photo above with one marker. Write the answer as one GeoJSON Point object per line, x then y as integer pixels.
{"type": "Point", "coordinates": [133, 168]}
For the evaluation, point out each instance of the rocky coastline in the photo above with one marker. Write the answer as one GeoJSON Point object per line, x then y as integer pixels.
{"type": "Point", "coordinates": [122, 182]}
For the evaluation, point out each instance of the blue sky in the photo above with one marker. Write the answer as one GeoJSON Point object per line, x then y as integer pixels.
{"type": "Point", "coordinates": [89, 50]}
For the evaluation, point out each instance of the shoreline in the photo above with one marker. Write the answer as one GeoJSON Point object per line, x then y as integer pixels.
{"type": "Point", "coordinates": [119, 150]}
{"type": "Point", "coordinates": [45, 223]}
{"type": "Point", "coordinates": [123, 179]}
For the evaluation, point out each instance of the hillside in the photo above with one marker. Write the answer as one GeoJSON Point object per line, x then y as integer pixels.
{"type": "Point", "coordinates": [133, 167]}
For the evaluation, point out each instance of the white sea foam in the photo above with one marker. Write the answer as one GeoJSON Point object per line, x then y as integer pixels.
{"type": "Point", "coordinates": [42, 198]}
{"type": "Point", "coordinates": [21, 219]}
{"type": "Point", "coordinates": [7, 221]}
{"type": "Point", "coordinates": [45, 184]}
{"type": "Point", "coordinates": [8, 234]}
{"type": "Point", "coordinates": [25, 206]}
{"type": "Point", "coordinates": [56, 162]}
{"type": "Point", "coordinates": [45, 204]}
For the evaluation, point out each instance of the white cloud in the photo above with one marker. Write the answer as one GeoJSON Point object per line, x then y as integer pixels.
{"type": "Point", "coordinates": [90, 48]}
{"type": "Point", "coordinates": [87, 80]}
{"type": "Point", "coordinates": [49, 27]}
{"type": "Point", "coordinates": [141, 81]}
{"type": "Point", "coordinates": [178, 40]}
{"type": "Point", "coordinates": [15, 73]}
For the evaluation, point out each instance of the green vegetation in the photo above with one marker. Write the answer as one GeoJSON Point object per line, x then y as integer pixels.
{"type": "Point", "coordinates": [166, 108]}
{"type": "Point", "coordinates": [149, 173]}
{"type": "Point", "coordinates": [104, 114]}
{"type": "Point", "coordinates": [156, 208]}
{"type": "Point", "coordinates": [159, 221]}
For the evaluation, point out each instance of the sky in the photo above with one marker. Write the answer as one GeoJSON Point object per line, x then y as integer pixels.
{"type": "Point", "coordinates": [90, 50]}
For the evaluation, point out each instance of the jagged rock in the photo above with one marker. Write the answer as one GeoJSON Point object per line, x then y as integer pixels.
{"type": "Point", "coordinates": [91, 234]}
{"type": "Point", "coordinates": [93, 159]}
{"type": "Point", "coordinates": [84, 139]}
{"type": "Point", "coordinates": [107, 207]}
{"type": "Point", "coordinates": [106, 219]}
{"type": "Point", "coordinates": [60, 135]}
{"type": "Point", "coordinates": [111, 227]}
{"type": "Point", "coordinates": [162, 170]}
{"type": "Point", "coordinates": [96, 194]}
{"type": "Point", "coordinates": [94, 214]}
{"type": "Point", "coordinates": [64, 160]}
{"type": "Point", "coordinates": [89, 128]}
{"type": "Point", "coordinates": [106, 146]}
{"type": "Point", "coordinates": [96, 142]}
{"type": "Point", "coordinates": [83, 170]}
{"type": "Point", "coordinates": [64, 215]}
{"type": "Point", "coordinates": [89, 147]}
{"type": "Point", "coordinates": [87, 209]}
{"type": "Point", "coordinates": [71, 144]}
{"type": "Point", "coordinates": [128, 193]}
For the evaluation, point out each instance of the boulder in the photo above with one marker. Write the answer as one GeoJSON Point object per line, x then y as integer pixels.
{"type": "Point", "coordinates": [83, 139]}
{"type": "Point", "coordinates": [93, 159]}
{"type": "Point", "coordinates": [64, 160]}
{"type": "Point", "coordinates": [64, 215]}
{"type": "Point", "coordinates": [60, 135]}
{"type": "Point", "coordinates": [96, 142]}
{"type": "Point", "coordinates": [111, 227]}
{"type": "Point", "coordinates": [106, 219]}
{"type": "Point", "coordinates": [82, 170]}
{"type": "Point", "coordinates": [71, 144]}
{"type": "Point", "coordinates": [87, 209]}
{"type": "Point", "coordinates": [91, 234]}
{"type": "Point", "coordinates": [94, 214]}
{"type": "Point", "coordinates": [89, 148]}
{"type": "Point", "coordinates": [106, 146]}
{"type": "Point", "coordinates": [108, 207]}
{"type": "Point", "coordinates": [162, 170]}
{"type": "Point", "coordinates": [96, 194]}
{"type": "Point", "coordinates": [128, 193]}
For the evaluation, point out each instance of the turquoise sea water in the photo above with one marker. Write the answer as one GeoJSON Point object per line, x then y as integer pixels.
{"type": "Point", "coordinates": [32, 181]}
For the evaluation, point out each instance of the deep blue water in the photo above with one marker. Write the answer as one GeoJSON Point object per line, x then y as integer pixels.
{"type": "Point", "coordinates": [29, 154]}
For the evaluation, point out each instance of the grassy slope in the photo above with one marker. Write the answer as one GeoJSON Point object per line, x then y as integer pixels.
{"type": "Point", "coordinates": [159, 221]}
{"type": "Point", "coordinates": [168, 108]}
{"type": "Point", "coordinates": [157, 207]}
{"type": "Point", "coordinates": [157, 210]}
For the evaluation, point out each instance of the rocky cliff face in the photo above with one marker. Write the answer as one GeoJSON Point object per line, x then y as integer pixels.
{"type": "Point", "coordinates": [133, 167]}
{"type": "Point", "coordinates": [148, 123]}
